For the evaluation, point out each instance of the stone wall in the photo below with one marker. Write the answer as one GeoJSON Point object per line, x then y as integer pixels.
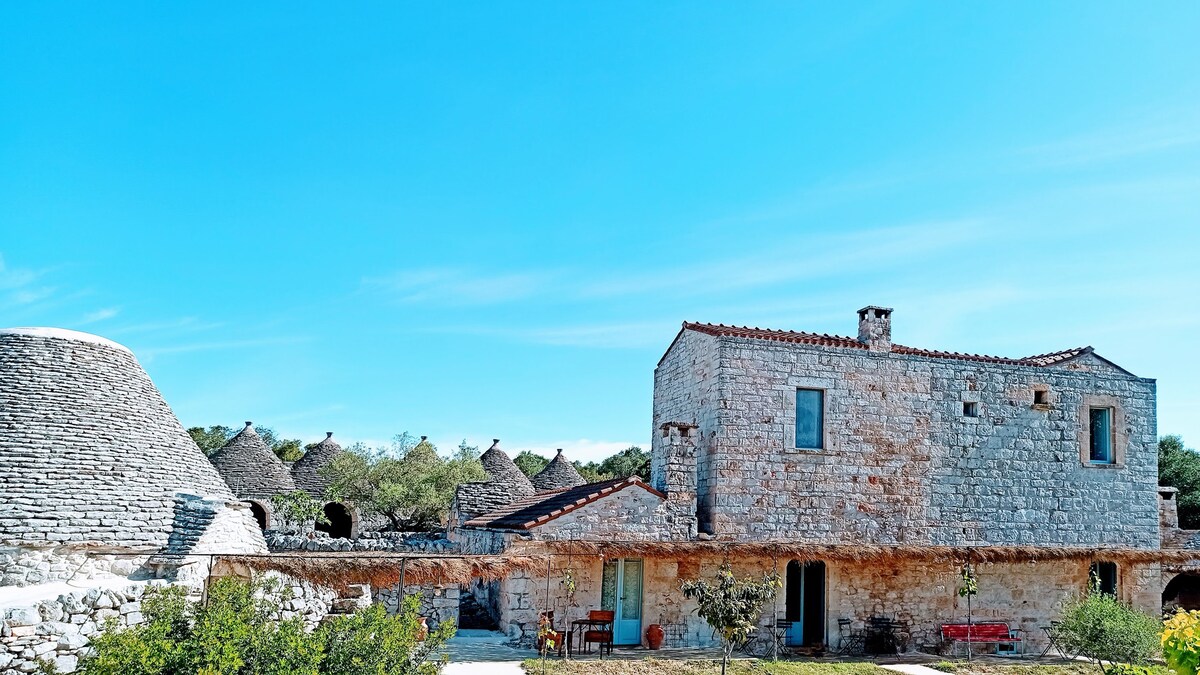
{"type": "Point", "coordinates": [57, 629]}
{"type": "Point", "coordinates": [902, 463]}
{"type": "Point", "coordinates": [630, 514]}
{"type": "Point", "coordinates": [437, 604]}
{"type": "Point", "coordinates": [396, 542]}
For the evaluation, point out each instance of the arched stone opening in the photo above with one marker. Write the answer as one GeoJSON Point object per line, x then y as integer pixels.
{"type": "Point", "coordinates": [341, 519]}
{"type": "Point", "coordinates": [262, 514]}
{"type": "Point", "coordinates": [1183, 591]}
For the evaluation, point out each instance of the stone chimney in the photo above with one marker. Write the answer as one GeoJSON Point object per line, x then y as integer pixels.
{"type": "Point", "coordinates": [875, 328]}
{"type": "Point", "coordinates": [1168, 508]}
{"type": "Point", "coordinates": [673, 472]}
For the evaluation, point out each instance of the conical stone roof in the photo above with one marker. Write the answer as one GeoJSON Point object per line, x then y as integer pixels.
{"type": "Point", "coordinates": [306, 471]}
{"type": "Point", "coordinates": [506, 483]}
{"type": "Point", "coordinates": [558, 474]}
{"type": "Point", "coordinates": [89, 450]}
{"type": "Point", "coordinates": [250, 468]}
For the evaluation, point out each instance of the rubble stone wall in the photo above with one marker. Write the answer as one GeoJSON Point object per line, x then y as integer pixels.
{"type": "Point", "coordinates": [631, 514]}
{"type": "Point", "coordinates": [902, 463]}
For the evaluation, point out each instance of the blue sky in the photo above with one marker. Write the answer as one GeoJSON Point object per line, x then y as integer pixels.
{"type": "Point", "coordinates": [477, 221]}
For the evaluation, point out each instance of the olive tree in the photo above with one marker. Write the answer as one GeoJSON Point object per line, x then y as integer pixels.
{"type": "Point", "coordinates": [731, 605]}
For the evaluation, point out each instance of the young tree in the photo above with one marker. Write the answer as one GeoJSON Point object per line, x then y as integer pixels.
{"type": "Point", "coordinates": [410, 483]}
{"type": "Point", "coordinates": [731, 605]}
{"type": "Point", "coordinates": [215, 437]}
{"type": "Point", "coordinates": [1106, 630]}
{"type": "Point", "coordinates": [211, 439]}
{"type": "Point", "coordinates": [1179, 467]}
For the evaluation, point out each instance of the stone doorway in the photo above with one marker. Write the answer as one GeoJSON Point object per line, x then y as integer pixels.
{"type": "Point", "coordinates": [1183, 591]}
{"type": "Point", "coordinates": [804, 603]}
{"type": "Point", "coordinates": [341, 521]}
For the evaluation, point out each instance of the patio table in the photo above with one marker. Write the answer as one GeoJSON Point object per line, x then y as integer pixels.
{"type": "Point", "coordinates": [578, 627]}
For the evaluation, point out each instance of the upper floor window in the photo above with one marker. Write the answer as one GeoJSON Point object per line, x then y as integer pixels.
{"type": "Point", "coordinates": [1100, 432]}
{"type": "Point", "coordinates": [1102, 576]}
{"type": "Point", "coordinates": [810, 419]}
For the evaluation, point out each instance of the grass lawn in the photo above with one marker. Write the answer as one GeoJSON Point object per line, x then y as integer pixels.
{"type": "Point", "coordinates": [976, 668]}
{"type": "Point", "coordinates": [665, 667]}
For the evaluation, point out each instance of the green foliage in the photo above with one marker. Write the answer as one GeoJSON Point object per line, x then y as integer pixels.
{"type": "Point", "coordinates": [1104, 629]}
{"type": "Point", "coordinates": [731, 605]}
{"type": "Point", "coordinates": [1179, 467]}
{"type": "Point", "coordinates": [410, 483]}
{"type": "Point", "coordinates": [1181, 642]}
{"type": "Point", "coordinates": [370, 642]}
{"type": "Point", "coordinates": [632, 461]}
{"type": "Point", "coordinates": [235, 633]}
{"type": "Point", "coordinates": [1130, 669]}
{"type": "Point", "coordinates": [590, 471]}
{"type": "Point", "coordinates": [298, 508]}
{"type": "Point", "coordinates": [970, 584]}
{"type": "Point", "coordinates": [530, 463]}
{"type": "Point", "coordinates": [211, 439]}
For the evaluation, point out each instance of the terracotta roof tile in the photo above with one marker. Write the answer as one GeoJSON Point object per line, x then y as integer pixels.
{"type": "Point", "coordinates": [826, 340]}
{"type": "Point", "coordinates": [530, 512]}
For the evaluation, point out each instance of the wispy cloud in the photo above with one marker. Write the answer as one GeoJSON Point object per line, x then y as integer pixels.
{"type": "Point", "coordinates": [18, 286]}
{"type": "Point", "coordinates": [99, 315]}
{"type": "Point", "coordinates": [456, 286]}
{"type": "Point", "coordinates": [1140, 138]}
{"type": "Point", "coordinates": [150, 353]}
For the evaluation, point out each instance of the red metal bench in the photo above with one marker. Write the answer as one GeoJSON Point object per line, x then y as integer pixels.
{"type": "Point", "coordinates": [988, 632]}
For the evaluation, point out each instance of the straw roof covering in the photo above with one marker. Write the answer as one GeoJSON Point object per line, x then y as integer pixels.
{"type": "Point", "coordinates": [338, 571]}
{"type": "Point", "coordinates": [863, 553]}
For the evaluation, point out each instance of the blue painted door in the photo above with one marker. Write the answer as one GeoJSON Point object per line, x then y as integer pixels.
{"type": "Point", "coordinates": [622, 592]}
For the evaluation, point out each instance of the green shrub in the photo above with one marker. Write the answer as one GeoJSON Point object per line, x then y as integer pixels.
{"type": "Point", "coordinates": [235, 632]}
{"type": "Point", "coordinates": [1104, 629]}
{"type": "Point", "coordinates": [1181, 642]}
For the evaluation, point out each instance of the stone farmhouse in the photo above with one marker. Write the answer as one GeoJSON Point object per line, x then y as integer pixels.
{"type": "Point", "coordinates": [866, 473]}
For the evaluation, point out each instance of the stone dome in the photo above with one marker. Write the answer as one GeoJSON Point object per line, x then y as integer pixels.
{"type": "Point", "coordinates": [250, 468]}
{"type": "Point", "coordinates": [89, 450]}
{"type": "Point", "coordinates": [505, 484]}
{"type": "Point", "coordinates": [501, 469]}
{"type": "Point", "coordinates": [306, 471]}
{"type": "Point", "coordinates": [558, 474]}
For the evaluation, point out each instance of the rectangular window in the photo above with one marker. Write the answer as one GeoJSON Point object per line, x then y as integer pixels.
{"type": "Point", "coordinates": [810, 419]}
{"type": "Point", "coordinates": [971, 409]}
{"type": "Point", "coordinates": [1101, 436]}
{"type": "Point", "coordinates": [1103, 577]}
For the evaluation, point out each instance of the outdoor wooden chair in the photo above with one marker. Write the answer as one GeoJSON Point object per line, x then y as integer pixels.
{"type": "Point", "coordinates": [601, 629]}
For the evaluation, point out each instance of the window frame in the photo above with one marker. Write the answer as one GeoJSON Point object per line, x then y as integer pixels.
{"type": "Point", "coordinates": [1118, 431]}
{"type": "Point", "coordinates": [1110, 441]}
{"type": "Point", "coordinates": [821, 430]}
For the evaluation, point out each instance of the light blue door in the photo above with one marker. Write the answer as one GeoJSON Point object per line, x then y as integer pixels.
{"type": "Point", "coordinates": [621, 591]}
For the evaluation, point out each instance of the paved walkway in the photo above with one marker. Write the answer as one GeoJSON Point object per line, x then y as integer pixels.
{"type": "Point", "coordinates": [484, 652]}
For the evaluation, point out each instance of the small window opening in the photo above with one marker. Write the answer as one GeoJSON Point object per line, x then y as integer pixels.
{"type": "Point", "coordinates": [810, 419]}
{"type": "Point", "coordinates": [1101, 436]}
{"type": "Point", "coordinates": [970, 409]}
{"type": "Point", "coordinates": [1041, 397]}
{"type": "Point", "coordinates": [1102, 576]}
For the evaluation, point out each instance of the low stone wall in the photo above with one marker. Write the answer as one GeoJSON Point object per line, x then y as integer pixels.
{"type": "Point", "coordinates": [437, 604]}
{"type": "Point", "coordinates": [389, 542]}
{"type": "Point", "coordinates": [28, 566]}
{"type": "Point", "coordinates": [57, 630]}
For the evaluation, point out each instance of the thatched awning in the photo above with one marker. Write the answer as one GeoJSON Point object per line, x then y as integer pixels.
{"type": "Point", "coordinates": [862, 553]}
{"type": "Point", "coordinates": [339, 570]}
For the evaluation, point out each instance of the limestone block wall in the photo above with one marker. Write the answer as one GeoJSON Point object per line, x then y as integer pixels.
{"type": "Point", "coordinates": [631, 514]}
{"type": "Point", "coordinates": [686, 390]}
{"type": "Point", "coordinates": [902, 463]}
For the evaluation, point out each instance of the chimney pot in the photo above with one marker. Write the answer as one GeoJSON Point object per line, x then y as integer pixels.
{"type": "Point", "coordinates": [875, 328]}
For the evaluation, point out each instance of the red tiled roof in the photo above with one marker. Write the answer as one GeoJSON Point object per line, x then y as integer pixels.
{"type": "Point", "coordinates": [826, 340]}
{"type": "Point", "coordinates": [529, 512]}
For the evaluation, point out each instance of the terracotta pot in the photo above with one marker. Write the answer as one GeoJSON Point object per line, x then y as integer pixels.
{"type": "Point", "coordinates": [654, 636]}
{"type": "Point", "coordinates": [422, 630]}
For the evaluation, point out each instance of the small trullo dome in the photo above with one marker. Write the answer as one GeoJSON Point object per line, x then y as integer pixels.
{"type": "Point", "coordinates": [306, 472]}
{"type": "Point", "coordinates": [558, 474]}
{"type": "Point", "coordinates": [505, 484]}
{"type": "Point", "coordinates": [250, 468]}
{"type": "Point", "coordinates": [90, 451]}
